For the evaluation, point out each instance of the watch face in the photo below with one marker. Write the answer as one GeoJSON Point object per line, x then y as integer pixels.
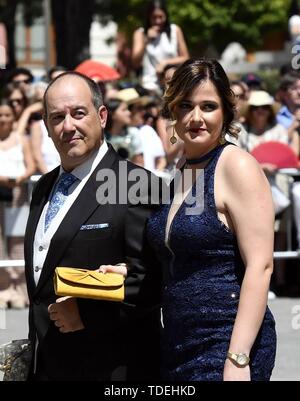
{"type": "Point", "coordinates": [242, 359]}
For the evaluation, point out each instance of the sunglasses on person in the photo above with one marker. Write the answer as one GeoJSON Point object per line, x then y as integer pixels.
{"type": "Point", "coordinates": [22, 81]}
{"type": "Point", "coordinates": [240, 96]}
{"type": "Point", "coordinates": [264, 107]}
{"type": "Point", "coordinates": [294, 88]}
{"type": "Point", "coordinates": [136, 108]}
{"type": "Point", "coordinates": [15, 102]}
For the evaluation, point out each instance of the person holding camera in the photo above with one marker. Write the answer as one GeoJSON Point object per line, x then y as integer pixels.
{"type": "Point", "coordinates": [126, 141]}
{"type": "Point", "coordinates": [156, 45]}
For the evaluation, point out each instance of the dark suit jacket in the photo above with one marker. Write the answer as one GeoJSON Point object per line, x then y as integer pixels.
{"type": "Point", "coordinates": [116, 335]}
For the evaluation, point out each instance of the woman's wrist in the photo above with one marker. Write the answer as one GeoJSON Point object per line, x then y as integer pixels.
{"type": "Point", "coordinates": [239, 349]}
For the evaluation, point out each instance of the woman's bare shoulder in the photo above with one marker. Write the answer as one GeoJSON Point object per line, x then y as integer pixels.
{"type": "Point", "coordinates": [235, 156]}
{"type": "Point", "coordinates": [238, 165]}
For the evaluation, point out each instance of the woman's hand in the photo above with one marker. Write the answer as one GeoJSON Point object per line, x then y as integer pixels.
{"type": "Point", "coordinates": [8, 182]}
{"type": "Point", "coordinates": [120, 268]}
{"type": "Point", "coordinates": [20, 181]}
{"type": "Point", "coordinates": [35, 107]}
{"type": "Point", "coordinates": [233, 372]}
{"type": "Point", "coordinates": [153, 33]}
{"type": "Point", "coordinates": [160, 67]}
{"type": "Point", "coordinates": [268, 167]}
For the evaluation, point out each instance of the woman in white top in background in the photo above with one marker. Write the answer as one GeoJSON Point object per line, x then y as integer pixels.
{"type": "Point", "coordinates": [43, 150]}
{"type": "Point", "coordinates": [157, 44]}
{"type": "Point", "coordinates": [16, 166]}
{"type": "Point", "coordinates": [16, 162]}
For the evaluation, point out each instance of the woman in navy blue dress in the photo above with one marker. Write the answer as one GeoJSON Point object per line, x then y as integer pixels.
{"type": "Point", "coordinates": [215, 239]}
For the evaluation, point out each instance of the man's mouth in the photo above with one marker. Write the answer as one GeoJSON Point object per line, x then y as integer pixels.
{"type": "Point", "coordinates": [73, 139]}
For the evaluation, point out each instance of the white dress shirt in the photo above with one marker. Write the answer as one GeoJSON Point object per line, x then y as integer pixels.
{"type": "Point", "coordinates": [42, 239]}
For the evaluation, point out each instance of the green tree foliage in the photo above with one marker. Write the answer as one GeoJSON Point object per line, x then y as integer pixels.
{"type": "Point", "coordinates": [208, 23]}
{"type": "Point", "coordinates": [205, 23]}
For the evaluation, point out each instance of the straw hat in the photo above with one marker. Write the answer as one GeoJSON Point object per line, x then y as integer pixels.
{"type": "Point", "coordinates": [131, 96]}
{"type": "Point", "coordinates": [261, 98]}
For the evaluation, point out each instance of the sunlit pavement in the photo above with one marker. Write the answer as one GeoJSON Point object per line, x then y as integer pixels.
{"type": "Point", "coordinates": [13, 325]}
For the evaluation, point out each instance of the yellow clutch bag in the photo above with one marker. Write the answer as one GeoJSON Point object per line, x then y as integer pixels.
{"type": "Point", "coordinates": [82, 283]}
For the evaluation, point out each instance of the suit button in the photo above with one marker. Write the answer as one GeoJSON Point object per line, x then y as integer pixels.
{"type": "Point", "coordinates": [41, 248]}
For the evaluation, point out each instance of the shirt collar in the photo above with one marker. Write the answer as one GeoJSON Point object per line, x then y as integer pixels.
{"type": "Point", "coordinates": [285, 111]}
{"type": "Point", "coordinates": [90, 164]}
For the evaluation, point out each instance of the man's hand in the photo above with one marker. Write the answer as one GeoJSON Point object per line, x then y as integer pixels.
{"type": "Point", "coordinates": [65, 315]}
{"type": "Point", "coordinates": [120, 268]}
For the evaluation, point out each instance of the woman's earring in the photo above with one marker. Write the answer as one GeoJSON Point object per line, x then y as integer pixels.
{"type": "Point", "coordinates": [173, 138]}
{"type": "Point", "coordinates": [222, 139]}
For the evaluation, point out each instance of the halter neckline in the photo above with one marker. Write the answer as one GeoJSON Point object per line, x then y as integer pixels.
{"type": "Point", "coordinates": [204, 157]}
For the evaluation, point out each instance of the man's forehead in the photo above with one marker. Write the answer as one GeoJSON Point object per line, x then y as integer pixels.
{"type": "Point", "coordinates": [70, 91]}
{"type": "Point", "coordinates": [68, 83]}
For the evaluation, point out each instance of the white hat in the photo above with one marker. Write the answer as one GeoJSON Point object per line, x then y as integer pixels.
{"type": "Point", "coordinates": [127, 95]}
{"type": "Point", "coordinates": [131, 96]}
{"type": "Point", "coordinates": [260, 98]}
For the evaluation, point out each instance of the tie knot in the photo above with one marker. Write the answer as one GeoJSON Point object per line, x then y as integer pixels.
{"type": "Point", "coordinates": [59, 196]}
{"type": "Point", "coordinates": [65, 181]}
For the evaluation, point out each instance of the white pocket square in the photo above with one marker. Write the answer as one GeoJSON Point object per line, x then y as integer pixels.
{"type": "Point", "coordinates": [94, 226]}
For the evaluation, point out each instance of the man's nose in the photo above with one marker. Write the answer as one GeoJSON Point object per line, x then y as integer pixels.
{"type": "Point", "coordinates": [69, 124]}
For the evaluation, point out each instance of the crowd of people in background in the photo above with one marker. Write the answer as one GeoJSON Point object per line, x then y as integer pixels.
{"type": "Point", "coordinates": [138, 131]}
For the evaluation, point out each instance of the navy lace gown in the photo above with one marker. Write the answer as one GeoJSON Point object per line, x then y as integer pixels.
{"type": "Point", "coordinates": [203, 272]}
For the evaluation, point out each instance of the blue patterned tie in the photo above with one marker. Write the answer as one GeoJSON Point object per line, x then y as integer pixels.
{"type": "Point", "coordinates": [59, 196]}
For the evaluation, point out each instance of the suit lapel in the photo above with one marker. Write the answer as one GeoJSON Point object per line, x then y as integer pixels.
{"type": "Point", "coordinates": [37, 205]}
{"type": "Point", "coordinates": [82, 208]}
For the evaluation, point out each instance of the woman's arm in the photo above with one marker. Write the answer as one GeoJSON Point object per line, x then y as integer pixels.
{"type": "Point", "coordinates": [36, 145]}
{"type": "Point", "coordinates": [139, 42]}
{"type": "Point", "coordinates": [7, 182]}
{"type": "Point", "coordinates": [160, 163]}
{"type": "Point", "coordinates": [29, 162]}
{"type": "Point", "coordinates": [25, 116]}
{"type": "Point", "coordinates": [248, 201]}
{"type": "Point", "coordinates": [183, 53]}
{"type": "Point", "coordinates": [182, 47]}
{"type": "Point", "coordinates": [138, 159]}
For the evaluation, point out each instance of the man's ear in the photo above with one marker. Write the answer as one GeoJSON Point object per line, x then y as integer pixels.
{"type": "Point", "coordinates": [102, 112]}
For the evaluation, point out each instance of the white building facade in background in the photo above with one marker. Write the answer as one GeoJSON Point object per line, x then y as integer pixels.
{"type": "Point", "coordinates": [31, 47]}
{"type": "Point", "coordinates": [103, 42]}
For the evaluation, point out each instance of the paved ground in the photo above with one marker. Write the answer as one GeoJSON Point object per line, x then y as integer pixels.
{"type": "Point", "coordinates": [13, 325]}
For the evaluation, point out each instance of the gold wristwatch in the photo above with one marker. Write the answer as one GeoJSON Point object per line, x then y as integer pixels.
{"type": "Point", "coordinates": [241, 360]}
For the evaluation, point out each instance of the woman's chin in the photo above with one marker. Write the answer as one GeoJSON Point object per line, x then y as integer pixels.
{"type": "Point", "coordinates": [197, 138]}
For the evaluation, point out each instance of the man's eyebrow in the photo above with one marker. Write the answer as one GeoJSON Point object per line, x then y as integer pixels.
{"type": "Point", "coordinates": [79, 106]}
{"type": "Point", "coordinates": [55, 112]}
{"type": "Point", "coordinates": [72, 108]}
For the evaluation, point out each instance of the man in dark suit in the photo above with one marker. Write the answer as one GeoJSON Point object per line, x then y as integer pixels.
{"type": "Point", "coordinates": [76, 338]}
